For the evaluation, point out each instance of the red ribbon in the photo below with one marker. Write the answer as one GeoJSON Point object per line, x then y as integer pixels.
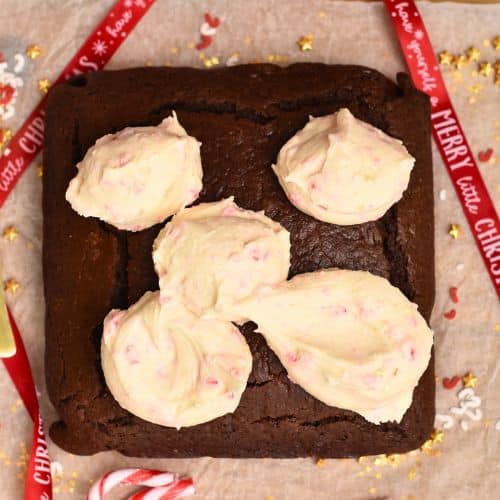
{"type": "Point", "coordinates": [38, 479]}
{"type": "Point", "coordinates": [448, 134]}
{"type": "Point", "coordinates": [23, 147]}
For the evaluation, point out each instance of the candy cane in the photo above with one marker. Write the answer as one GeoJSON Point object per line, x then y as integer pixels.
{"type": "Point", "coordinates": [162, 485]}
{"type": "Point", "coordinates": [178, 489]}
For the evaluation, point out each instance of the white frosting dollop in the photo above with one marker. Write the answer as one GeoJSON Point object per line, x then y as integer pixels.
{"type": "Point", "coordinates": [341, 170]}
{"type": "Point", "coordinates": [216, 254]}
{"type": "Point", "coordinates": [349, 338]}
{"type": "Point", "coordinates": [168, 367]}
{"type": "Point", "coordinates": [139, 176]}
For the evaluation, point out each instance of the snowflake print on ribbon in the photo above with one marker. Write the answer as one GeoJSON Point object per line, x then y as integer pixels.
{"type": "Point", "coordinates": [99, 47]}
{"type": "Point", "coordinates": [419, 34]}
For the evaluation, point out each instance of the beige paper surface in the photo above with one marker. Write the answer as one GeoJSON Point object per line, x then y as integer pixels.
{"type": "Point", "coordinates": [344, 32]}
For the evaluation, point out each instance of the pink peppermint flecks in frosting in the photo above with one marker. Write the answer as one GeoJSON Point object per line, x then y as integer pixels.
{"type": "Point", "coordinates": [123, 159]}
{"type": "Point", "coordinates": [371, 381]}
{"type": "Point", "coordinates": [112, 321]}
{"type": "Point", "coordinates": [131, 354]}
{"type": "Point", "coordinates": [165, 299]}
{"type": "Point", "coordinates": [408, 349]}
{"type": "Point", "coordinates": [235, 257]}
{"type": "Point", "coordinates": [338, 310]}
{"type": "Point", "coordinates": [367, 312]}
{"type": "Point", "coordinates": [212, 381]}
{"type": "Point", "coordinates": [193, 195]}
{"type": "Point", "coordinates": [258, 254]}
{"type": "Point", "coordinates": [291, 357]}
{"type": "Point", "coordinates": [296, 199]}
{"type": "Point", "coordinates": [229, 211]}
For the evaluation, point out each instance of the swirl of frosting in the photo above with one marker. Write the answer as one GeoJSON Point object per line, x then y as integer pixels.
{"type": "Point", "coordinates": [215, 254]}
{"type": "Point", "coordinates": [168, 367]}
{"type": "Point", "coordinates": [139, 176]}
{"type": "Point", "coordinates": [349, 338]}
{"type": "Point", "coordinates": [341, 170]}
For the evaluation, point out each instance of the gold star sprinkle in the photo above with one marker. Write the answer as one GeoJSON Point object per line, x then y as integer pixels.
{"type": "Point", "coordinates": [5, 136]}
{"type": "Point", "coordinates": [455, 231]}
{"type": "Point", "coordinates": [469, 380]}
{"type": "Point", "coordinates": [476, 88]}
{"type": "Point", "coordinates": [412, 475]}
{"type": "Point", "coordinates": [473, 54]}
{"type": "Point", "coordinates": [372, 490]}
{"type": "Point", "coordinates": [43, 85]}
{"type": "Point", "coordinates": [211, 61]}
{"type": "Point", "coordinates": [305, 43]}
{"type": "Point", "coordinates": [445, 58]}
{"type": "Point", "coordinates": [485, 69]}
{"type": "Point", "coordinates": [174, 50]}
{"type": "Point", "coordinates": [10, 233]}
{"type": "Point", "coordinates": [460, 61]}
{"type": "Point", "coordinates": [427, 446]}
{"type": "Point", "coordinates": [33, 51]}
{"type": "Point", "coordinates": [320, 463]}
{"type": "Point", "coordinates": [496, 42]}
{"type": "Point", "coordinates": [437, 436]}
{"type": "Point", "coordinates": [39, 170]}
{"type": "Point", "coordinates": [497, 328]}
{"type": "Point", "coordinates": [11, 285]}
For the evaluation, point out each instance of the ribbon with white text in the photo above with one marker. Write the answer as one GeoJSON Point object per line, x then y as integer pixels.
{"type": "Point", "coordinates": [448, 134]}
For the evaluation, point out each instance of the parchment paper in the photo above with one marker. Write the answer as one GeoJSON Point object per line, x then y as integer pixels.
{"type": "Point", "coordinates": [468, 465]}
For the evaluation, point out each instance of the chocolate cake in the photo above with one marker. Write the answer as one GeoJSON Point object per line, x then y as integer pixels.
{"type": "Point", "coordinates": [242, 115]}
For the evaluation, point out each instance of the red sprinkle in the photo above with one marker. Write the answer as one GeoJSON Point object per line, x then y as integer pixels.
{"type": "Point", "coordinates": [454, 294]}
{"type": "Point", "coordinates": [205, 41]}
{"type": "Point", "coordinates": [450, 314]}
{"type": "Point", "coordinates": [450, 383]}
{"type": "Point", "coordinates": [485, 156]}
{"type": "Point", "coordinates": [213, 22]}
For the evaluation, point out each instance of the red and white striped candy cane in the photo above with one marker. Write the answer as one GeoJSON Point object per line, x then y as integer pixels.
{"type": "Point", "coordinates": [178, 489]}
{"type": "Point", "coordinates": [161, 485]}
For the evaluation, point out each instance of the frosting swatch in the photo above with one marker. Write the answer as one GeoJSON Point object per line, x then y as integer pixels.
{"type": "Point", "coordinates": [216, 254]}
{"type": "Point", "coordinates": [349, 338]}
{"type": "Point", "coordinates": [341, 170]}
{"type": "Point", "coordinates": [170, 367]}
{"type": "Point", "coordinates": [139, 176]}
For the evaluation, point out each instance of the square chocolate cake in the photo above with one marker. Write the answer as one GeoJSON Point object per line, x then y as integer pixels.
{"type": "Point", "coordinates": [242, 115]}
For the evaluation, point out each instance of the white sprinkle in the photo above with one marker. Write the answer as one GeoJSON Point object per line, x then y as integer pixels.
{"type": "Point", "coordinates": [444, 421]}
{"type": "Point", "coordinates": [497, 425]}
{"type": "Point", "coordinates": [460, 267]}
{"type": "Point", "coordinates": [442, 194]}
{"type": "Point", "coordinates": [464, 425]}
{"type": "Point", "coordinates": [232, 60]}
{"type": "Point", "coordinates": [19, 66]}
{"type": "Point", "coordinates": [56, 470]}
